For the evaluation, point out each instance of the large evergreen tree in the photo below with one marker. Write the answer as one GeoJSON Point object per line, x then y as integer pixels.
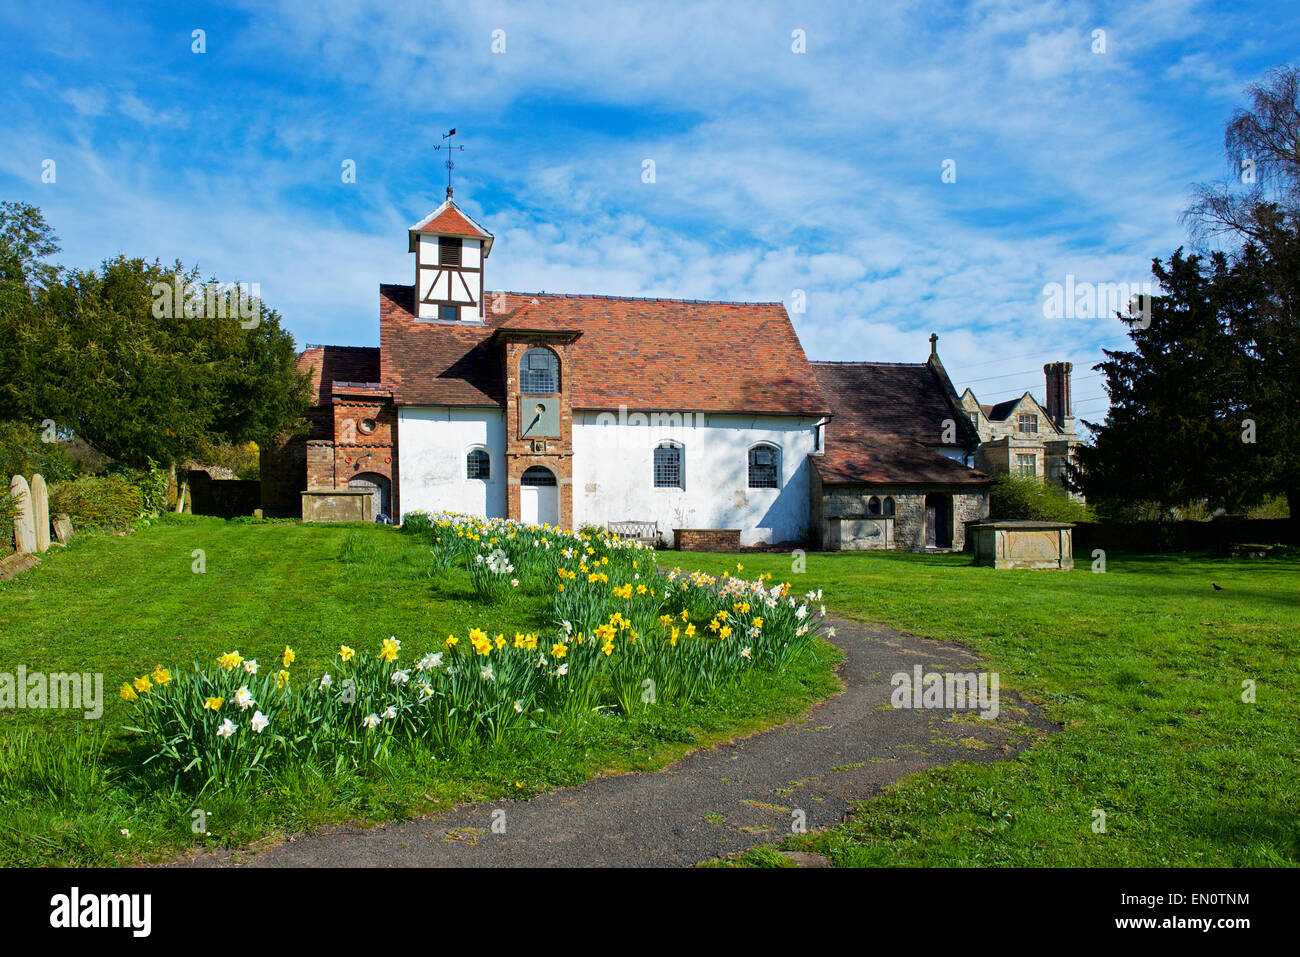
{"type": "Point", "coordinates": [1174, 433]}
{"type": "Point", "coordinates": [93, 350]}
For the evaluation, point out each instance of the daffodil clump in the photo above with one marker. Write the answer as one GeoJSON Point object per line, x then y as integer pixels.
{"type": "Point", "coordinates": [626, 636]}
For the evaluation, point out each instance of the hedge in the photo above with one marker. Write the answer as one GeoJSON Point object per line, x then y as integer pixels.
{"type": "Point", "coordinates": [1028, 497]}
{"type": "Point", "coordinates": [108, 500]}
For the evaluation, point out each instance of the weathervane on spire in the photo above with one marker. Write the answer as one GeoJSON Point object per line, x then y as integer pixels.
{"type": "Point", "coordinates": [449, 164]}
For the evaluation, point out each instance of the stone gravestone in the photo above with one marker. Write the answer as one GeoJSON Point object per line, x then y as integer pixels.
{"type": "Point", "coordinates": [62, 528]}
{"type": "Point", "coordinates": [41, 512]}
{"type": "Point", "coordinates": [24, 521]}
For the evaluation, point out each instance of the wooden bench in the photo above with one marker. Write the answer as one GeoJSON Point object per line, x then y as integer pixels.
{"type": "Point", "coordinates": [639, 531]}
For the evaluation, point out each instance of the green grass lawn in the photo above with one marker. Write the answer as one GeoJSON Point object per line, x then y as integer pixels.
{"type": "Point", "coordinates": [123, 604]}
{"type": "Point", "coordinates": [1142, 664]}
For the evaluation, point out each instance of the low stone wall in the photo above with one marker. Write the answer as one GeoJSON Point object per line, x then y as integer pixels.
{"type": "Point", "coordinates": [337, 505]}
{"type": "Point", "coordinates": [706, 539]}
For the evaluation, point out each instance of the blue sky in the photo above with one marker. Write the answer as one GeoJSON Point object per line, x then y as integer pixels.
{"type": "Point", "coordinates": [775, 170]}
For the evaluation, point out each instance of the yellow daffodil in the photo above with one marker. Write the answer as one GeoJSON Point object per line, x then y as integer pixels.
{"type": "Point", "coordinates": [127, 692]}
{"type": "Point", "coordinates": [231, 659]}
{"type": "Point", "coordinates": [213, 704]}
{"type": "Point", "coordinates": [346, 653]}
{"type": "Point", "coordinates": [161, 675]}
{"type": "Point", "coordinates": [389, 648]}
{"type": "Point", "coordinates": [142, 684]}
{"type": "Point", "coordinates": [288, 656]}
{"type": "Point", "coordinates": [451, 641]}
{"type": "Point", "coordinates": [281, 678]}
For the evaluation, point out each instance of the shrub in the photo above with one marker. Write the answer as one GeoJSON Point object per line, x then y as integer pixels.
{"type": "Point", "coordinates": [1026, 497]}
{"type": "Point", "coordinates": [108, 500]}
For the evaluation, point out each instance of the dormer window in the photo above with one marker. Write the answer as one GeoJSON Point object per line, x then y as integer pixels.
{"type": "Point", "coordinates": [448, 313]}
{"type": "Point", "coordinates": [448, 250]}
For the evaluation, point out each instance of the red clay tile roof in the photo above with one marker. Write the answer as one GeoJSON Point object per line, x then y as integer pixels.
{"type": "Point", "coordinates": [331, 364]}
{"type": "Point", "coordinates": [649, 354]}
{"type": "Point", "coordinates": [452, 221]}
{"type": "Point", "coordinates": [887, 419]}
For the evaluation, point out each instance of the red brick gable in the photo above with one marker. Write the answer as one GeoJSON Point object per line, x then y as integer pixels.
{"type": "Point", "coordinates": [647, 354]}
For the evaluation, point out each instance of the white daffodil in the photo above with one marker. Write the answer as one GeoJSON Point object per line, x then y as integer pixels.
{"type": "Point", "coordinates": [519, 707]}
{"type": "Point", "coordinates": [259, 722]}
{"type": "Point", "coordinates": [371, 721]}
{"type": "Point", "coordinates": [389, 713]}
{"type": "Point", "coordinates": [244, 699]}
{"type": "Point", "coordinates": [429, 662]}
{"type": "Point", "coordinates": [227, 729]}
{"type": "Point", "coordinates": [251, 666]}
{"type": "Point", "coordinates": [425, 690]}
{"type": "Point", "coordinates": [487, 674]}
{"type": "Point", "coordinates": [830, 632]}
{"type": "Point", "coordinates": [563, 670]}
{"type": "Point", "coordinates": [745, 652]}
{"type": "Point", "coordinates": [400, 677]}
{"type": "Point", "coordinates": [801, 612]}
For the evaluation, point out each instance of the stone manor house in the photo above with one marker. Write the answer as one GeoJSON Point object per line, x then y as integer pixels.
{"type": "Point", "coordinates": [579, 409]}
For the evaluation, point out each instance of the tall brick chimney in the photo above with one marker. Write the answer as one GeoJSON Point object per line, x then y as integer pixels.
{"type": "Point", "coordinates": [1058, 394]}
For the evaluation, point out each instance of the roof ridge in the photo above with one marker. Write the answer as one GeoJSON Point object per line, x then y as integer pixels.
{"type": "Point", "coordinates": [596, 295]}
{"type": "Point", "coordinates": [325, 345]}
{"type": "Point", "coordinates": [864, 362]}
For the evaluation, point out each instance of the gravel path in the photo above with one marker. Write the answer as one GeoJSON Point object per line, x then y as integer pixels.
{"type": "Point", "coordinates": [711, 803]}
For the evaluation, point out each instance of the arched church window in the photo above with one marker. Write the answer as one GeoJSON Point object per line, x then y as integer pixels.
{"type": "Point", "coordinates": [539, 372]}
{"type": "Point", "coordinates": [478, 464]}
{"type": "Point", "coordinates": [764, 466]}
{"type": "Point", "coordinates": [873, 506]}
{"type": "Point", "coordinates": [887, 506]}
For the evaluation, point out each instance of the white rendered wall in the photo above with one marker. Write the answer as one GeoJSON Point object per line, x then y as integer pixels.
{"type": "Point", "coordinates": [613, 477]}
{"type": "Point", "coordinates": [431, 448]}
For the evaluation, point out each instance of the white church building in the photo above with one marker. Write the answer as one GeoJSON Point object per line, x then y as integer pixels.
{"type": "Point", "coordinates": [589, 410]}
